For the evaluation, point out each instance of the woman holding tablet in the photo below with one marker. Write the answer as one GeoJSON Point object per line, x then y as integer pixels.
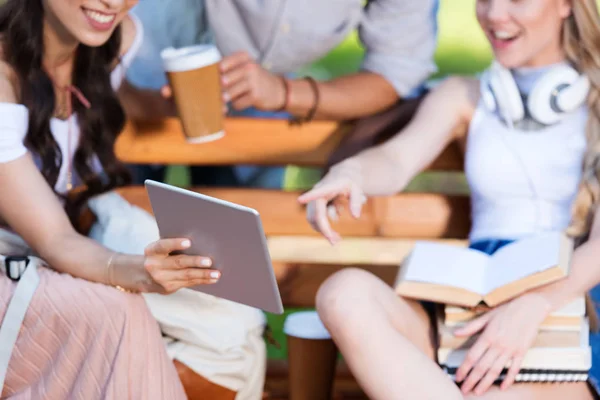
{"type": "Point", "coordinates": [60, 63]}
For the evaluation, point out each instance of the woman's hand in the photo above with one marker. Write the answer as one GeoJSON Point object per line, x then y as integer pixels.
{"type": "Point", "coordinates": [507, 333]}
{"type": "Point", "coordinates": [326, 199]}
{"type": "Point", "coordinates": [168, 273]}
{"type": "Point", "coordinates": [247, 84]}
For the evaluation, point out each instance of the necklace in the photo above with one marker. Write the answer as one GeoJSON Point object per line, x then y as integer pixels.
{"type": "Point", "coordinates": [68, 92]}
{"type": "Point", "coordinates": [64, 111]}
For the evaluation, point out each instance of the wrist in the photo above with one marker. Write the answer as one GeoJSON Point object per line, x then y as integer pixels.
{"type": "Point", "coordinates": [350, 169]}
{"type": "Point", "coordinates": [285, 94]}
{"type": "Point", "coordinates": [127, 272]}
{"type": "Point", "coordinates": [547, 303]}
{"type": "Point", "coordinates": [559, 293]}
{"type": "Point", "coordinates": [303, 98]}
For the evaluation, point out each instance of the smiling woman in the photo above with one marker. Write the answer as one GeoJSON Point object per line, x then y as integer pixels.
{"type": "Point", "coordinates": [69, 319]}
{"type": "Point", "coordinates": [532, 161]}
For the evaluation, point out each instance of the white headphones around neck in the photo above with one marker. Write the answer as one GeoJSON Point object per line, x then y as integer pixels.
{"type": "Point", "coordinates": [558, 92]}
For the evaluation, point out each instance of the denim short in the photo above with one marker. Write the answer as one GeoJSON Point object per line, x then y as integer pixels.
{"type": "Point", "coordinates": [490, 246]}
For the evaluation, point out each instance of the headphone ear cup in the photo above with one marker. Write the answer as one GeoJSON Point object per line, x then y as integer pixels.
{"type": "Point", "coordinates": [543, 100]}
{"type": "Point", "coordinates": [506, 93]}
{"type": "Point", "coordinates": [487, 95]}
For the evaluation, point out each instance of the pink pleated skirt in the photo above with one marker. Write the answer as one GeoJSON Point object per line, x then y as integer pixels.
{"type": "Point", "coordinates": [83, 340]}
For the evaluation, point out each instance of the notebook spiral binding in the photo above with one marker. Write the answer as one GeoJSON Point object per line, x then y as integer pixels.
{"type": "Point", "coordinates": [535, 375]}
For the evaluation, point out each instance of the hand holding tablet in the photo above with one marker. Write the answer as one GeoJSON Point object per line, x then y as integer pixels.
{"type": "Point", "coordinates": [229, 234]}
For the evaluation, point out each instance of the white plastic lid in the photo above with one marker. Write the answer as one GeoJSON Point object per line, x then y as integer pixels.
{"type": "Point", "coordinates": [190, 57]}
{"type": "Point", "coordinates": [305, 325]}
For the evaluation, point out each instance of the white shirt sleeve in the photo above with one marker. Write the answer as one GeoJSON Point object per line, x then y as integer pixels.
{"type": "Point", "coordinates": [14, 120]}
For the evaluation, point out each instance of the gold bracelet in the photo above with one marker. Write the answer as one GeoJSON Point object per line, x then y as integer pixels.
{"type": "Point", "coordinates": [122, 289]}
{"type": "Point", "coordinates": [108, 269]}
{"type": "Point", "coordinates": [109, 275]}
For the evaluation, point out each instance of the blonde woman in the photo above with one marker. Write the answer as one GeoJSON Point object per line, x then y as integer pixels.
{"type": "Point", "coordinates": [534, 122]}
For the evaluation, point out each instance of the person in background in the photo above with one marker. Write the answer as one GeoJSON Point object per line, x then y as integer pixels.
{"type": "Point", "coordinates": [72, 326]}
{"type": "Point", "coordinates": [265, 44]}
{"type": "Point", "coordinates": [532, 162]}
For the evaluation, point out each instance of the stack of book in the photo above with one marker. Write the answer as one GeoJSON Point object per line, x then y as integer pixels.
{"type": "Point", "coordinates": [469, 282]}
{"type": "Point", "coordinates": [560, 352]}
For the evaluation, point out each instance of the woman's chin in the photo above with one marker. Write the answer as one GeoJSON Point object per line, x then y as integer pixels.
{"type": "Point", "coordinates": [509, 61]}
{"type": "Point", "coordinates": [94, 39]}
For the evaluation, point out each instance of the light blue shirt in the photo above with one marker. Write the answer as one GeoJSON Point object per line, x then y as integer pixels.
{"type": "Point", "coordinates": [399, 36]}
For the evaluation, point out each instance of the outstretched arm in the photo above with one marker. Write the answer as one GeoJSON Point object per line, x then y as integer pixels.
{"type": "Point", "coordinates": [387, 168]}
{"type": "Point", "coordinates": [33, 211]}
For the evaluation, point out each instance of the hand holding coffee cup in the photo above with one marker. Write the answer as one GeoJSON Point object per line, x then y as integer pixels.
{"type": "Point", "coordinates": [195, 80]}
{"type": "Point", "coordinates": [247, 84]}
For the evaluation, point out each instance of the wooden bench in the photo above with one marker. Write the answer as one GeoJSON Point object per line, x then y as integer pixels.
{"type": "Point", "coordinates": [378, 242]}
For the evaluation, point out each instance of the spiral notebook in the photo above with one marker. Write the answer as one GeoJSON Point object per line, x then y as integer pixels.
{"type": "Point", "coordinates": [541, 364]}
{"type": "Point", "coordinates": [537, 375]}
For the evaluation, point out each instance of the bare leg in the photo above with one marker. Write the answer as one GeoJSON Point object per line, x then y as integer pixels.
{"type": "Point", "coordinates": [386, 340]}
{"type": "Point", "coordinates": [388, 344]}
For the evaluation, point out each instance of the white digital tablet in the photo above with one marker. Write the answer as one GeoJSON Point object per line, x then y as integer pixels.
{"type": "Point", "coordinates": [231, 234]}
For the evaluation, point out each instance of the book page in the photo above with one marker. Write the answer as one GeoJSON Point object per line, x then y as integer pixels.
{"type": "Point", "coordinates": [447, 265]}
{"type": "Point", "coordinates": [522, 258]}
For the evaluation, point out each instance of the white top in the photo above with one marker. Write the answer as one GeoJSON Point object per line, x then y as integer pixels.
{"type": "Point", "coordinates": [14, 122]}
{"type": "Point", "coordinates": [522, 182]}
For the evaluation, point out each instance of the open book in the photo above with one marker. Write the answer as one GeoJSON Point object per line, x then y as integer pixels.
{"type": "Point", "coordinates": [466, 277]}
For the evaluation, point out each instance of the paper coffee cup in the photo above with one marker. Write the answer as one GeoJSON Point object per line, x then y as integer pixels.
{"type": "Point", "coordinates": [312, 357]}
{"type": "Point", "coordinates": [194, 76]}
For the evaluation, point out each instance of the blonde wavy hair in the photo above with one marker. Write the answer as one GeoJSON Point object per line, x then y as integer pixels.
{"type": "Point", "coordinates": [581, 41]}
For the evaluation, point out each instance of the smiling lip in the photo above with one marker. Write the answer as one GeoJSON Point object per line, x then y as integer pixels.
{"type": "Point", "coordinates": [99, 20]}
{"type": "Point", "coordinates": [501, 43]}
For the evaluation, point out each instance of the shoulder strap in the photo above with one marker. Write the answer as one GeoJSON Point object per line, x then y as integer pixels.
{"type": "Point", "coordinates": [15, 314]}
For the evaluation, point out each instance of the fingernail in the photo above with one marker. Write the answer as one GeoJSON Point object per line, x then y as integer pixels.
{"type": "Point", "coordinates": [215, 274]}
{"type": "Point", "coordinates": [206, 262]}
{"type": "Point", "coordinates": [186, 243]}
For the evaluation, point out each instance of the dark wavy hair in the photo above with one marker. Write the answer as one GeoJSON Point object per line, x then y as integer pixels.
{"type": "Point", "coordinates": [21, 33]}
